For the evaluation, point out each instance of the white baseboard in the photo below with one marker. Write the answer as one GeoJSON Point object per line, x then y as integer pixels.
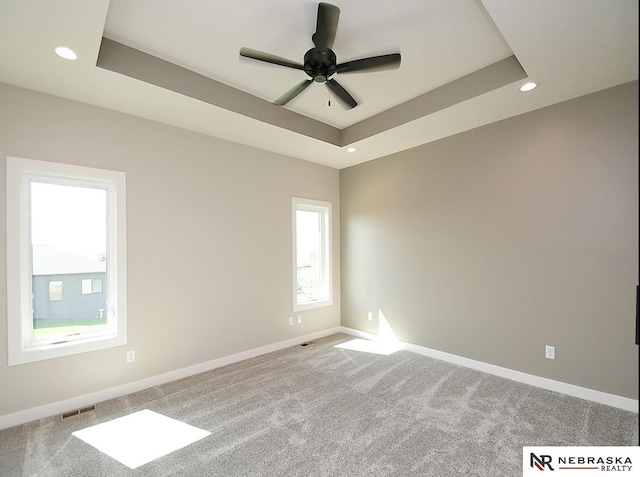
{"type": "Point", "coordinates": [59, 407]}
{"type": "Point", "coordinates": [549, 384]}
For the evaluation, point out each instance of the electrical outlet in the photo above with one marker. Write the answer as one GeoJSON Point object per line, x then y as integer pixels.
{"type": "Point", "coordinates": [291, 321]}
{"type": "Point", "coordinates": [550, 352]}
{"type": "Point", "coordinates": [299, 319]}
{"type": "Point", "coordinates": [131, 356]}
{"type": "Point", "coordinates": [370, 316]}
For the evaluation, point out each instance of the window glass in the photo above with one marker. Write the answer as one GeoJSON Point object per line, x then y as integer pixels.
{"type": "Point", "coordinates": [86, 287]}
{"type": "Point", "coordinates": [68, 240]}
{"type": "Point", "coordinates": [55, 290]}
{"type": "Point", "coordinates": [312, 253]}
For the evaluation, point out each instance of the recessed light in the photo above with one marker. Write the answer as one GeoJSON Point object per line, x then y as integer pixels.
{"type": "Point", "coordinates": [528, 86]}
{"type": "Point", "coordinates": [66, 53]}
{"type": "Point", "coordinates": [351, 149]}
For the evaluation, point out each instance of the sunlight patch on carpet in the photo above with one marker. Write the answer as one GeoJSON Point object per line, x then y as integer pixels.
{"type": "Point", "coordinates": [140, 437]}
{"type": "Point", "coordinates": [383, 347]}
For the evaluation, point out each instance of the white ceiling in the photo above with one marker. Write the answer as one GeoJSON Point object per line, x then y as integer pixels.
{"type": "Point", "coordinates": [572, 47]}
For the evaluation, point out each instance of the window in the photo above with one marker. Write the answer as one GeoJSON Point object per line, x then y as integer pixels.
{"type": "Point", "coordinates": [66, 259]}
{"type": "Point", "coordinates": [311, 254]}
{"type": "Point", "coordinates": [55, 290]}
{"type": "Point", "coordinates": [87, 287]}
{"type": "Point", "coordinates": [91, 285]}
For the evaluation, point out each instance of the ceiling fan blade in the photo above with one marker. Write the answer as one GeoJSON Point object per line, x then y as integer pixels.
{"type": "Point", "coordinates": [292, 93]}
{"type": "Point", "coordinates": [374, 63]}
{"type": "Point", "coordinates": [326, 26]}
{"type": "Point", "coordinates": [345, 98]}
{"type": "Point", "coordinates": [269, 58]}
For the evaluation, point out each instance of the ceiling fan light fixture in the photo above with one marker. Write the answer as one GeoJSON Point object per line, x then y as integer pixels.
{"type": "Point", "coordinates": [528, 86]}
{"type": "Point", "coordinates": [66, 53]}
{"type": "Point", "coordinates": [320, 62]}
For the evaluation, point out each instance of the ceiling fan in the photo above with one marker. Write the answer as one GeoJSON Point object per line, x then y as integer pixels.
{"type": "Point", "coordinates": [320, 62]}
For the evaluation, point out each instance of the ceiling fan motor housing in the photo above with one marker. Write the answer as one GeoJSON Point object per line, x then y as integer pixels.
{"type": "Point", "coordinates": [319, 64]}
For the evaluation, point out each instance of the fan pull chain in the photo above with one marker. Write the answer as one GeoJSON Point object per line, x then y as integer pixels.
{"type": "Point", "coordinates": [329, 102]}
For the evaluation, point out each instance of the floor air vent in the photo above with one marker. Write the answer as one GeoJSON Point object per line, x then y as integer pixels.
{"type": "Point", "coordinates": [78, 411]}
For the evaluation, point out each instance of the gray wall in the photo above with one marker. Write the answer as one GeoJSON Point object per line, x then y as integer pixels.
{"type": "Point", "coordinates": [74, 303]}
{"type": "Point", "coordinates": [208, 236]}
{"type": "Point", "coordinates": [495, 242]}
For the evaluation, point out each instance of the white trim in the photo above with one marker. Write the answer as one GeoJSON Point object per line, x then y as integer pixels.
{"type": "Point", "coordinates": [600, 397]}
{"type": "Point", "coordinates": [59, 407]}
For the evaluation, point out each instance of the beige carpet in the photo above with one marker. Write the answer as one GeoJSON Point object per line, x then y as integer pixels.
{"type": "Point", "coordinates": [325, 411]}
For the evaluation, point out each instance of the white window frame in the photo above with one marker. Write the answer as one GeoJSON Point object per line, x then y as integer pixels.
{"type": "Point", "coordinates": [22, 348]}
{"type": "Point", "coordinates": [326, 268]}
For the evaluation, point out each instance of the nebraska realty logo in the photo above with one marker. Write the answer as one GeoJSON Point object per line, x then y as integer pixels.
{"type": "Point", "coordinates": [580, 461]}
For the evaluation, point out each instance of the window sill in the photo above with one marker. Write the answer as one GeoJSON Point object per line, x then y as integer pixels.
{"type": "Point", "coordinates": [308, 305]}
